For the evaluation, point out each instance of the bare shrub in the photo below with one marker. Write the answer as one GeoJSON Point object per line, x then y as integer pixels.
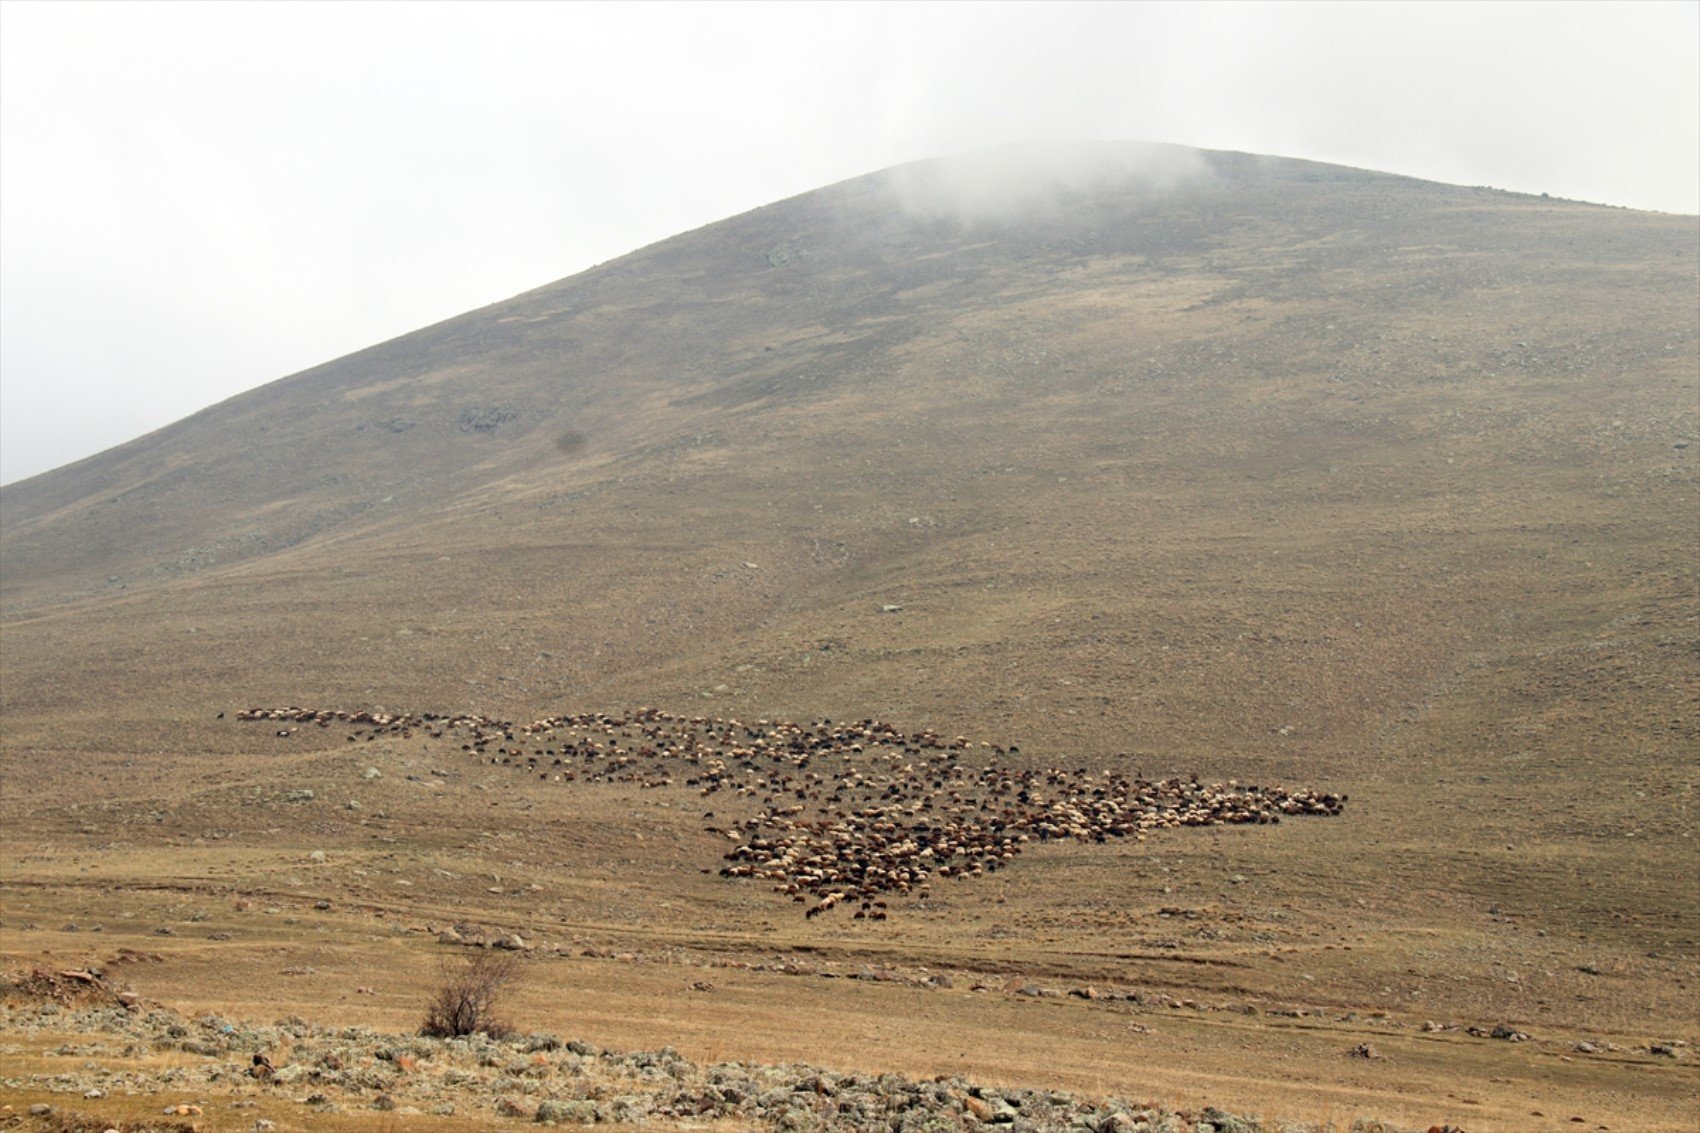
{"type": "Point", "coordinates": [467, 993]}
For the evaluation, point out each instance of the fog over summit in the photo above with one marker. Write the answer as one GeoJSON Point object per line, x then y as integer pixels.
{"type": "Point", "coordinates": [1018, 181]}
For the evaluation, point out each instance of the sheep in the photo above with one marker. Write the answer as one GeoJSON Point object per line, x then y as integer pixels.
{"type": "Point", "coordinates": [901, 809]}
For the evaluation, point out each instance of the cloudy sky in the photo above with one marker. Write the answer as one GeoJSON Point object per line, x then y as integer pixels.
{"type": "Point", "coordinates": [198, 198]}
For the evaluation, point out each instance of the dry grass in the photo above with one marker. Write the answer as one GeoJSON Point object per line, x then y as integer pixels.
{"type": "Point", "coordinates": [1360, 484]}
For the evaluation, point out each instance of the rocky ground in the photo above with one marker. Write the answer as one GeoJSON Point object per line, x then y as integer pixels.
{"type": "Point", "coordinates": [94, 1047]}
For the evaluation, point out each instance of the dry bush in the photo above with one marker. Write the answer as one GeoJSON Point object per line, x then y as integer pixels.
{"type": "Point", "coordinates": [467, 994]}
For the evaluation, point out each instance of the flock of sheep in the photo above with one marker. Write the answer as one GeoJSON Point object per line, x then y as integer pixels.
{"type": "Point", "coordinates": [845, 813]}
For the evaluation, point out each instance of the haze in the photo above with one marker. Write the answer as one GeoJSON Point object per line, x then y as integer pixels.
{"type": "Point", "coordinates": [197, 199]}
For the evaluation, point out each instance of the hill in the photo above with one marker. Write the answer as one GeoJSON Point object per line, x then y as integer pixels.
{"type": "Point", "coordinates": [1136, 458]}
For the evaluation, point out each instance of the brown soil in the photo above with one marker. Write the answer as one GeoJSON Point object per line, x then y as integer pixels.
{"type": "Point", "coordinates": [1293, 475]}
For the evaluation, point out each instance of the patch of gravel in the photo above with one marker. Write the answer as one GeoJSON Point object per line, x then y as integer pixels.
{"type": "Point", "coordinates": [538, 1078]}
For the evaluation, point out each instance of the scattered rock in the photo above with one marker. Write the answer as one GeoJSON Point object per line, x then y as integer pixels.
{"type": "Point", "coordinates": [1226, 1122]}
{"type": "Point", "coordinates": [566, 1112]}
{"type": "Point", "coordinates": [524, 1077]}
{"type": "Point", "coordinates": [485, 420]}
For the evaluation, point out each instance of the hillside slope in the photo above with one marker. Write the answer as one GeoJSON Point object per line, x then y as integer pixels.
{"type": "Point", "coordinates": [1148, 458]}
{"type": "Point", "coordinates": [1292, 422]}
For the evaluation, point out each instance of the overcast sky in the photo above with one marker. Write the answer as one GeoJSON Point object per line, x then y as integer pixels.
{"type": "Point", "coordinates": [198, 198]}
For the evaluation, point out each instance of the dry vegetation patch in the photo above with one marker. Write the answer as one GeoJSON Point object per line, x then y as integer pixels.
{"type": "Point", "coordinates": [1302, 476]}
